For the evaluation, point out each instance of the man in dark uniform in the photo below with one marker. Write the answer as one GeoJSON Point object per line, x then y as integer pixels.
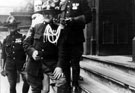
{"type": "Point", "coordinates": [13, 55]}
{"type": "Point", "coordinates": [75, 14]}
{"type": "Point", "coordinates": [42, 48]}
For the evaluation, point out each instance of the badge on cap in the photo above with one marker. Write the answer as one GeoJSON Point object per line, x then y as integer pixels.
{"type": "Point", "coordinates": [75, 6]}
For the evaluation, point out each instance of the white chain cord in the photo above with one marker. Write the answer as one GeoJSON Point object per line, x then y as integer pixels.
{"type": "Point", "coordinates": [51, 35]}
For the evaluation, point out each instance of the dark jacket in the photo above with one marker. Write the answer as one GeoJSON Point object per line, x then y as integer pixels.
{"type": "Point", "coordinates": [12, 51]}
{"type": "Point", "coordinates": [74, 30]}
{"type": "Point", "coordinates": [48, 52]}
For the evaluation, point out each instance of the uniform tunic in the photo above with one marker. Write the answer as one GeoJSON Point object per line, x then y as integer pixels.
{"type": "Point", "coordinates": [12, 51]}
{"type": "Point", "coordinates": [47, 52]}
{"type": "Point", "coordinates": [14, 58]}
{"type": "Point", "coordinates": [74, 30]}
{"type": "Point", "coordinates": [48, 57]}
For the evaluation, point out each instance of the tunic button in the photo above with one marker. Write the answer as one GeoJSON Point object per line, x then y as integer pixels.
{"type": "Point", "coordinates": [13, 52]}
{"type": "Point", "coordinates": [67, 12]}
{"type": "Point", "coordinates": [42, 49]}
{"type": "Point", "coordinates": [68, 6]}
{"type": "Point", "coordinates": [42, 58]}
{"type": "Point", "coordinates": [13, 57]}
{"type": "Point", "coordinates": [13, 46]}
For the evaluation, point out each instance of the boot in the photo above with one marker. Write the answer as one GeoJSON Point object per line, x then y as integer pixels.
{"type": "Point", "coordinates": [76, 89]}
{"type": "Point", "coordinates": [64, 89]}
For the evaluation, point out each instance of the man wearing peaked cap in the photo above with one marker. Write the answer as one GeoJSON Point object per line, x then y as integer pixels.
{"type": "Point", "coordinates": [76, 13]}
{"type": "Point", "coordinates": [13, 55]}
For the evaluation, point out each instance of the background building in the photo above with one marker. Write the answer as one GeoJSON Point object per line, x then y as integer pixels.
{"type": "Point", "coordinates": [112, 27]}
{"type": "Point", "coordinates": [21, 9]}
{"type": "Point", "coordinates": [110, 32]}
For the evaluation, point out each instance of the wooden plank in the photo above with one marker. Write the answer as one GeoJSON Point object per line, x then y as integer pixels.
{"type": "Point", "coordinates": [116, 60]}
{"type": "Point", "coordinates": [93, 86]}
{"type": "Point", "coordinates": [120, 77]}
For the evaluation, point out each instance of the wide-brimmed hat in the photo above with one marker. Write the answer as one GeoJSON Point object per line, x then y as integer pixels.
{"type": "Point", "coordinates": [50, 7]}
{"type": "Point", "coordinates": [11, 21]}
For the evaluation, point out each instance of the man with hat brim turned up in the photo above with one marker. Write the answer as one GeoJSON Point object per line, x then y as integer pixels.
{"type": "Point", "coordinates": [13, 55]}
{"type": "Point", "coordinates": [42, 46]}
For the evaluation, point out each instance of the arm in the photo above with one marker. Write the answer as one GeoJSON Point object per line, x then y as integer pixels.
{"type": "Point", "coordinates": [3, 59]}
{"type": "Point", "coordinates": [3, 56]}
{"type": "Point", "coordinates": [28, 42]}
{"type": "Point", "coordinates": [87, 14]}
{"type": "Point", "coordinates": [60, 64]}
{"type": "Point", "coordinates": [3, 72]}
{"type": "Point", "coordinates": [28, 45]}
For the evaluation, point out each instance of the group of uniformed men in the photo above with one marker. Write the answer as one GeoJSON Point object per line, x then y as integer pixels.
{"type": "Point", "coordinates": [53, 44]}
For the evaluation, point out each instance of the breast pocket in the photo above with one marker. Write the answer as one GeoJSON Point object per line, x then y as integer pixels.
{"type": "Point", "coordinates": [75, 6]}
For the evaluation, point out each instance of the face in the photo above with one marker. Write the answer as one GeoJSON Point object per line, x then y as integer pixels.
{"type": "Point", "coordinates": [48, 17]}
{"type": "Point", "coordinates": [12, 28]}
{"type": "Point", "coordinates": [37, 18]}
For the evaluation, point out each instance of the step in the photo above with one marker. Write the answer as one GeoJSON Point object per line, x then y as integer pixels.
{"type": "Point", "coordinates": [92, 85]}
{"type": "Point", "coordinates": [124, 61]}
{"type": "Point", "coordinates": [106, 82]}
{"type": "Point", "coordinates": [118, 63]}
{"type": "Point", "coordinates": [121, 78]}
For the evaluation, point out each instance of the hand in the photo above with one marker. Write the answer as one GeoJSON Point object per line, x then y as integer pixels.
{"type": "Point", "coordinates": [57, 73]}
{"type": "Point", "coordinates": [61, 26]}
{"type": "Point", "coordinates": [35, 55]}
{"type": "Point", "coordinates": [68, 21]}
{"type": "Point", "coordinates": [3, 73]}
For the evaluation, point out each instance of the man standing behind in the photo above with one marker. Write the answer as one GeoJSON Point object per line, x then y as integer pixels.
{"type": "Point", "coordinates": [75, 14]}
{"type": "Point", "coordinates": [13, 55]}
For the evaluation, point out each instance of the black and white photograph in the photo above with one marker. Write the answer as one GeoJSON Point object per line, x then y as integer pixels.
{"type": "Point", "coordinates": [67, 46]}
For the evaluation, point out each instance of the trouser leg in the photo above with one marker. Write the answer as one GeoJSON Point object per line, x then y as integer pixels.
{"type": "Point", "coordinates": [64, 89]}
{"type": "Point", "coordinates": [12, 79]}
{"type": "Point", "coordinates": [66, 71]}
{"type": "Point", "coordinates": [35, 83]}
{"type": "Point", "coordinates": [46, 84]}
{"type": "Point", "coordinates": [62, 86]}
{"type": "Point", "coordinates": [25, 87]}
{"type": "Point", "coordinates": [76, 55]}
{"type": "Point", "coordinates": [53, 88]}
{"type": "Point", "coordinates": [75, 72]}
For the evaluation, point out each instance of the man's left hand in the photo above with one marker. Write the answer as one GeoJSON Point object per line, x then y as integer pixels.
{"type": "Point", "coordinates": [58, 73]}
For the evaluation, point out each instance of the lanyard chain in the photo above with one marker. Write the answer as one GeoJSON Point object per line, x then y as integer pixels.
{"type": "Point", "coordinates": [51, 35]}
